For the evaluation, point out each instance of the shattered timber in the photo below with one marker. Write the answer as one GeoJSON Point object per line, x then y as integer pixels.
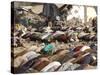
{"type": "Point", "coordinates": [48, 37]}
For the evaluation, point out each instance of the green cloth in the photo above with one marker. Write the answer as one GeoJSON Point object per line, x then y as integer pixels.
{"type": "Point", "coordinates": [48, 48]}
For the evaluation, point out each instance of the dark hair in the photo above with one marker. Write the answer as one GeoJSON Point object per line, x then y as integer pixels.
{"type": "Point", "coordinates": [69, 7]}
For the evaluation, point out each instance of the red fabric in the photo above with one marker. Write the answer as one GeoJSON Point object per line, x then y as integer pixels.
{"type": "Point", "coordinates": [77, 48]}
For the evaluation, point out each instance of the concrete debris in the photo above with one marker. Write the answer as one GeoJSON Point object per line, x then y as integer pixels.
{"type": "Point", "coordinates": [48, 44]}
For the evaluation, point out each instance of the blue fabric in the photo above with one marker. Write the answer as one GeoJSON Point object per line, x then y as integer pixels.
{"type": "Point", "coordinates": [24, 21]}
{"type": "Point", "coordinates": [48, 48]}
{"type": "Point", "coordinates": [87, 59]}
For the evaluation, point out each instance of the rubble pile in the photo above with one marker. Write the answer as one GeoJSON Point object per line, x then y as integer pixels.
{"type": "Point", "coordinates": [39, 46]}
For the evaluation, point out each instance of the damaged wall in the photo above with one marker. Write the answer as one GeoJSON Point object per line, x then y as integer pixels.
{"type": "Point", "coordinates": [80, 12]}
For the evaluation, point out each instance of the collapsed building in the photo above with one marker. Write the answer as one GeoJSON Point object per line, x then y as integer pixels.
{"type": "Point", "coordinates": [53, 37]}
